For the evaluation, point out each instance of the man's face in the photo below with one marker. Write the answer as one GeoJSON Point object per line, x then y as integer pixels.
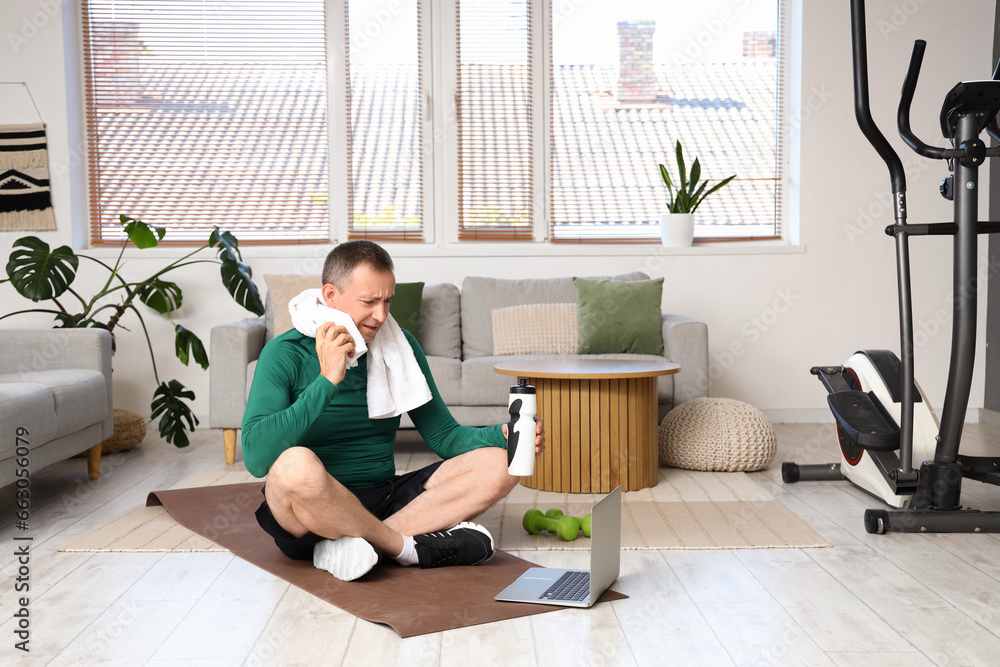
{"type": "Point", "coordinates": [365, 298]}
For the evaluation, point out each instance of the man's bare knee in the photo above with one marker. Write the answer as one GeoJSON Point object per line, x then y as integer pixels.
{"type": "Point", "coordinates": [298, 472]}
{"type": "Point", "coordinates": [495, 475]}
{"type": "Point", "coordinates": [487, 466]}
{"type": "Point", "coordinates": [298, 486]}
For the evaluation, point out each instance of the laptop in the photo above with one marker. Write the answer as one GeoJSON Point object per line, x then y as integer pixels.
{"type": "Point", "coordinates": [577, 588]}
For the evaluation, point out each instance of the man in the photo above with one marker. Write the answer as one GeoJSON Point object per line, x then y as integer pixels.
{"type": "Point", "coordinates": [331, 492]}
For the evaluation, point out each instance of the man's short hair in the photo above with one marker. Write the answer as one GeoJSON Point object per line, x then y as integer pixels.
{"type": "Point", "coordinates": [342, 260]}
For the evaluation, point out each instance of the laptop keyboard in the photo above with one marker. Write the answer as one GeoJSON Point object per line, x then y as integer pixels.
{"type": "Point", "coordinates": [573, 586]}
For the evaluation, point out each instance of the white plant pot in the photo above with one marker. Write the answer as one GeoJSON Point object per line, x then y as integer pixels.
{"type": "Point", "coordinates": [677, 229]}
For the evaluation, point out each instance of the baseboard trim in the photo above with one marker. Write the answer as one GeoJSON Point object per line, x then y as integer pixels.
{"type": "Point", "coordinates": [989, 417]}
{"type": "Point", "coordinates": [799, 416]}
{"type": "Point", "coordinates": [819, 416]}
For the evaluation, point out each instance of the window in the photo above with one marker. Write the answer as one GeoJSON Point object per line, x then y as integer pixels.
{"type": "Point", "coordinates": [628, 80]}
{"type": "Point", "coordinates": [488, 120]}
{"type": "Point", "coordinates": [494, 119]}
{"type": "Point", "coordinates": [384, 94]}
{"type": "Point", "coordinates": [206, 113]}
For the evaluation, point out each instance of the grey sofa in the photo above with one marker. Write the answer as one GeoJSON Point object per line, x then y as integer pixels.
{"type": "Point", "coordinates": [456, 335]}
{"type": "Point", "coordinates": [55, 398]}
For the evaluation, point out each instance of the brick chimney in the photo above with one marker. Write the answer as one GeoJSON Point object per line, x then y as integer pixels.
{"type": "Point", "coordinates": [636, 78]}
{"type": "Point", "coordinates": [759, 45]}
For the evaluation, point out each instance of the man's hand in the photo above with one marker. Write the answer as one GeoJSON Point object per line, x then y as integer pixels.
{"type": "Point", "coordinates": [334, 346]}
{"type": "Point", "coordinates": [539, 435]}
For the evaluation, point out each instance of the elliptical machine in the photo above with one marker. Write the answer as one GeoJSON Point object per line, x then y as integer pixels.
{"type": "Point", "coordinates": [891, 442]}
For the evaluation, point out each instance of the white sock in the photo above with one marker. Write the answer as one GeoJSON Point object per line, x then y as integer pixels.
{"type": "Point", "coordinates": [408, 556]}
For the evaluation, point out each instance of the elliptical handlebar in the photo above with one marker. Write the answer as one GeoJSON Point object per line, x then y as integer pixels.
{"type": "Point", "coordinates": [906, 98]}
{"type": "Point", "coordinates": [862, 108]}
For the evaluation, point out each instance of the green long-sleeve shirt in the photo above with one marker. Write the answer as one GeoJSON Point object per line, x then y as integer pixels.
{"type": "Point", "coordinates": [291, 404]}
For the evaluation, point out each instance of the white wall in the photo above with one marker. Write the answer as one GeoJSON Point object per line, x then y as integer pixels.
{"type": "Point", "coordinates": [771, 313]}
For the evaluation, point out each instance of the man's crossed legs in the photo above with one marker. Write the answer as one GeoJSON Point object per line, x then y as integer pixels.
{"type": "Point", "coordinates": [414, 518]}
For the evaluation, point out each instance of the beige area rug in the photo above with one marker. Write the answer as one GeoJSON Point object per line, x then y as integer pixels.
{"type": "Point", "coordinates": [686, 510]}
{"type": "Point", "coordinates": [152, 529]}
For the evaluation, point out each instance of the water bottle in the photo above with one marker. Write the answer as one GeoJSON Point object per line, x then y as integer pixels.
{"type": "Point", "coordinates": [521, 429]}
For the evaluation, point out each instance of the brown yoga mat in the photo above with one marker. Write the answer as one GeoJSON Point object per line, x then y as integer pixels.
{"type": "Point", "coordinates": [409, 600]}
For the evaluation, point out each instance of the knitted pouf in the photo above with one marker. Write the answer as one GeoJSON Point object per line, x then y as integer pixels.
{"type": "Point", "coordinates": [717, 434]}
{"type": "Point", "coordinates": [130, 429]}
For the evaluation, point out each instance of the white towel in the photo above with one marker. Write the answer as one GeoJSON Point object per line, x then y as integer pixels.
{"type": "Point", "coordinates": [395, 382]}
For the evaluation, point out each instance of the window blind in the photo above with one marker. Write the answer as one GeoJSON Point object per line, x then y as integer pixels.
{"type": "Point", "coordinates": [624, 91]}
{"type": "Point", "coordinates": [494, 107]}
{"type": "Point", "coordinates": [207, 112]}
{"type": "Point", "coordinates": [385, 108]}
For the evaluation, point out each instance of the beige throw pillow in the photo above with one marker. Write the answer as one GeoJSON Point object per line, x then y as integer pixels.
{"type": "Point", "coordinates": [537, 328]}
{"type": "Point", "coordinates": [282, 288]}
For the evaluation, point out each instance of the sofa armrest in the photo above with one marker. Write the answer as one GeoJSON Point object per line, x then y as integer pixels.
{"type": "Point", "coordinates": [232, 347]}
{"type": "Point", "coordinates": [685, 342]}
{"type": "Point", "coordinates": [33, 350]}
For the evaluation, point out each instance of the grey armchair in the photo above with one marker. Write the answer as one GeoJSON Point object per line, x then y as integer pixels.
{"type": "Point", "coordinates": [55, 398]}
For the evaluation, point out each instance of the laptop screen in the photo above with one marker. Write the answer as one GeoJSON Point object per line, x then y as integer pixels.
{"type": "Point", "coordinates": [605, 542]}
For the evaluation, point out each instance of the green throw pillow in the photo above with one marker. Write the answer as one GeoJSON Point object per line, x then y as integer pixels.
{"type": "Point", "coordinates": [618, 316]}
{"type": "Point", "coordinates": [405, 306]}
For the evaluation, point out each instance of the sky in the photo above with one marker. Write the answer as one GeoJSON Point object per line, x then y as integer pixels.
{"type": "Point", "coordinates": [584, 31]}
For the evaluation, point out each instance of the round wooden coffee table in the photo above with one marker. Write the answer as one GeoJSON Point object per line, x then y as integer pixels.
{"type": "Point", "coordinates": [600, 422]}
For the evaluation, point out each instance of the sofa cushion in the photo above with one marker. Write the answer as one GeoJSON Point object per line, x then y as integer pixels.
{"type": "Point", "coordinates": [616, 316]}
{"type": "Point", "coordinates": [447, 375]}
{"type": "Point", "coordinates": [535, 328]}
{"type": "Point", "coordinates": [282, 288]}
{"type": "Point", "coordinates": [405, 306]}
{"type": "Point", "coordinates": [80, 397]}
{"type": "Point", "coordinates": [28, 405]}
{"type": "Point", "coordinates": [480, 296]}
{"type": "Point", "coordinates": [440, 321]}
{"type": "Point", "coordinates": [481, 385]}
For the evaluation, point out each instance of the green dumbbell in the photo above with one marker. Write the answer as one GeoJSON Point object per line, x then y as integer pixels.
{"type": "Point", "coordinates": [566, 527]}
{"type": "Point", "coordinates": [584, 522]}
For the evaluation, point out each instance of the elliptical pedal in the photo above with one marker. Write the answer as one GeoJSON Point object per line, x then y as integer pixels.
{"type": "Point", "coordinates": [864, 420]}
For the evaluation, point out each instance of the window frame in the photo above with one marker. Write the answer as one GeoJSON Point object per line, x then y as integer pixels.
{"type": "Point", "coordinates": [338, 41]}
{"type": "Point", "coordinates": [782, 146]}
{"type": "Point", "coordinates": [445, 51]}
{"type": "Point", "coordinates": [542, 14]}
{"type": "Point", "coordinates": [439, 146]}
{"type": "Point", "coordinates": [89, 112]}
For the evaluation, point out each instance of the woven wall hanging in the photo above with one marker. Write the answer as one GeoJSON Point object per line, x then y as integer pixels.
{"type": "Point", "coordinates": [25, 195]}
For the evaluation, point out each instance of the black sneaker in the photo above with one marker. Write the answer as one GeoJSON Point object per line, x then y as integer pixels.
{"type": "Point", "coordinates": [465, 544]}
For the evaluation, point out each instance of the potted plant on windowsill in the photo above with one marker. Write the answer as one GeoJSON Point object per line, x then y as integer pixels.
{"type": "Point", "coordinates": [677, 224]}
{"type": "Point", "coordinates": [39, 273]}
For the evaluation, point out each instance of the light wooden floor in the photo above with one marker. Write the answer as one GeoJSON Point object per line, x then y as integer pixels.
{"type": "Point", "coordinates": [870, 600]}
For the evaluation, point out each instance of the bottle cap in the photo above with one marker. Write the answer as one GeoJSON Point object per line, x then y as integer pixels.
{"type": "Point", "coordinates": [522, 387]}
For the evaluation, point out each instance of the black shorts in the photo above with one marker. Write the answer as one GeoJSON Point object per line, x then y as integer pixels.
{"type": "Point", "coordinates": [382, 500]}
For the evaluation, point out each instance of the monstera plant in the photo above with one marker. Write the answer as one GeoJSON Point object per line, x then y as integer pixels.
{"type": "Point", "coordinates": [39, 273]}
